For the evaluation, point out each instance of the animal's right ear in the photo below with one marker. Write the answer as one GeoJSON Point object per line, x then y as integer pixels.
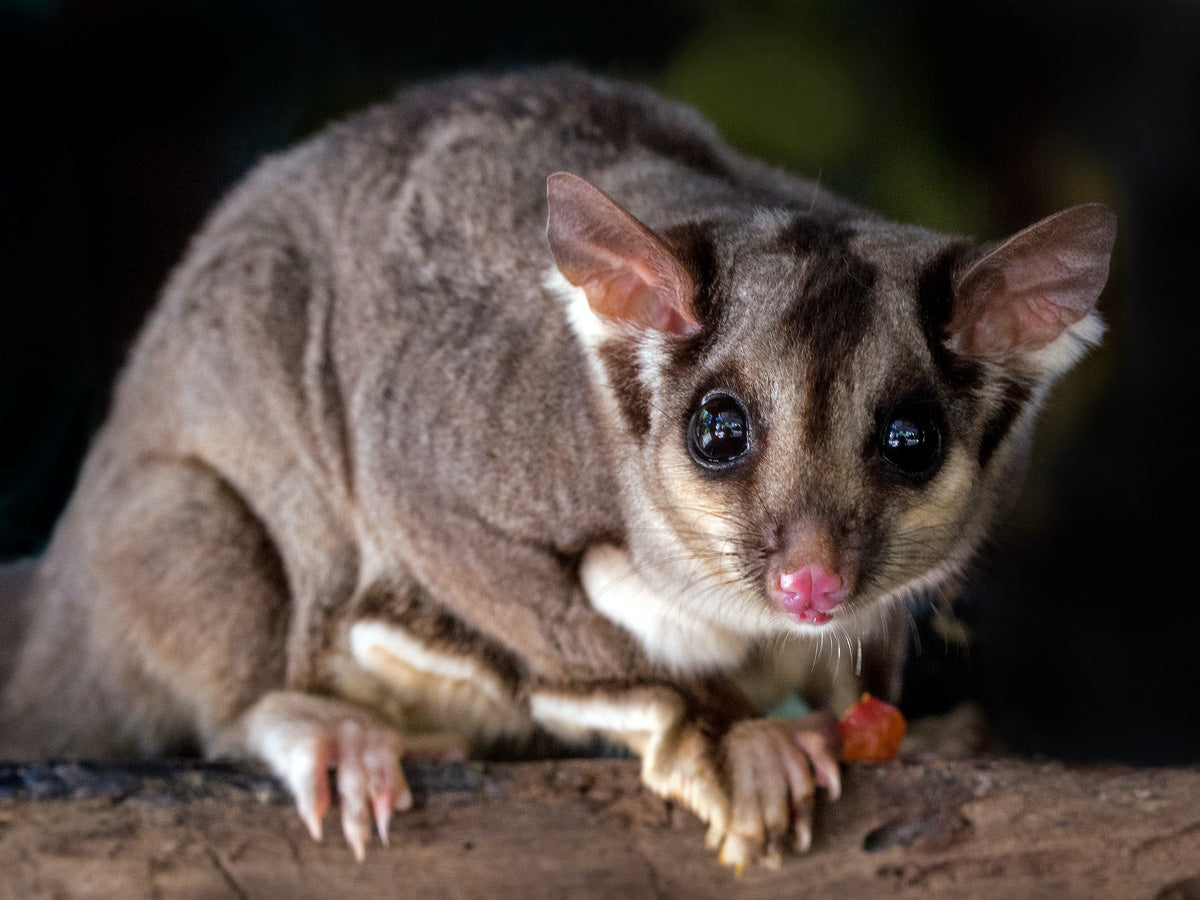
{"type": "Point", "coordinates": [631, 277]}
{"type": "Point", "coordinates": [1030, 289]}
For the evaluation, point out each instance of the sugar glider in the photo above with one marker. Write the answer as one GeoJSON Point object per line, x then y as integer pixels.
{"type": "Point", "coordinates": [521, 406]}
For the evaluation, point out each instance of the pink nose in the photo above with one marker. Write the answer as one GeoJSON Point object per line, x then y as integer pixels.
{"type": "Point", "coordinates": [810, 593]}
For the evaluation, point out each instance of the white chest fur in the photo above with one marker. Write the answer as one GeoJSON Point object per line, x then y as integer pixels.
{"type": "Point", "coordinates": [670, 634]}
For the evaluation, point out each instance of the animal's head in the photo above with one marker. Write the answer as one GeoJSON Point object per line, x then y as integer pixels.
{"type": "Point", "coordinates": [817, 414]}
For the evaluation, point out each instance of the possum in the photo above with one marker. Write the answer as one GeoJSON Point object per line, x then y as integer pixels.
{"type": "Point", "coordinates": [524, 406]}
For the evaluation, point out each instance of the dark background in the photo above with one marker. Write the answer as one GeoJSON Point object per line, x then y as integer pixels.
{"type": "Point", "coordinates": [121, 123]}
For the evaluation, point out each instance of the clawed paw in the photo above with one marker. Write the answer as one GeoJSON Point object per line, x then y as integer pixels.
{"type": "Point", "coordinates": [365, 761]}
{"type": "Point", "coordinates": [757, 786]}
{"type": "Point", "coordinates": [304, 738]}
{"type": "Point", "coordinates": [773, 768]}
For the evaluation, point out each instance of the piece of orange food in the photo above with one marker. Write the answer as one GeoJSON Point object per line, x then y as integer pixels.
{"type": "Point", "coordinates": [871, 731]}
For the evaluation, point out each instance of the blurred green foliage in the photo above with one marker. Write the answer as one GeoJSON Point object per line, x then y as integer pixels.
{"type": "Point", "coordinates": [808, 87]}
{"type": "Point", "coordinates": [835, 91]}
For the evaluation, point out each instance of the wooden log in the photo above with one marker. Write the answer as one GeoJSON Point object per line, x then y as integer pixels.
{"type": "Point", "coordinates": [917, 827]}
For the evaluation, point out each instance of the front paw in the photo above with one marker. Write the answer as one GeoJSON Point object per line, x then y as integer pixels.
{"type": "Point", "coordinates": [755, 786]}
{"type": "Point", "coordinates": [303, 737]}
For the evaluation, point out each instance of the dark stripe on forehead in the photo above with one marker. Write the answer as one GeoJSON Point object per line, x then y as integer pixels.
{"type": "Point", "coordinates": [621, 366]}
{"type": "Point", "coordinates": [809, 235]}
{"type": "Point", "coordinates": [831, 314]}
{"type": "Point", "coordinates": [935, 299]}
{"type": "Point", "coordinates": [1000, 422]}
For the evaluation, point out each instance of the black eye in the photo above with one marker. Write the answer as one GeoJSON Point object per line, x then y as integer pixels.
{"type": "Point", "coordinates": [718, 429]}
{"type": "Point", "coordinates": [911, 440]}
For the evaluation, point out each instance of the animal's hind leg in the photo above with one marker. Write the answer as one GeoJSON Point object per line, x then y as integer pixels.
{"type": "Point", "coordinates": [186, 580]}
{"type": "Point", "coordinates": [195, 583]}
{"type": "Point", "coordinates": [161, 612]}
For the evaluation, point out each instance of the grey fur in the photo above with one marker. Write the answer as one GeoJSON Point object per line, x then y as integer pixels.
{"type": "Point", "coordinates": [358, 397]}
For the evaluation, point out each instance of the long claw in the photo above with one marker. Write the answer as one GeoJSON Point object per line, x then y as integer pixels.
{"type": "Point", "coordinates": [383, 804]}
{"type": "Point", "coordinates": [352, 780]}
{"type": "Point", "coordinates": [354, 821]}
{"type": "Point", "coordinates": [824, 762]}
{"type": "Point", "coordinates": [356, 837]}
{"type": "Point", "coordinates": [387, 787]}
{"type": "Point", "coordinates": [312, 821]}
{"type": "Point", "coordinates": [308, 778]}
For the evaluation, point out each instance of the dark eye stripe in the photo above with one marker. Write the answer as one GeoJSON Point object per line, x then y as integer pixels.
{"type": "Point", "coordinates": [1016, 395]}
{"type": "Point", "coordinates": [620, 362]}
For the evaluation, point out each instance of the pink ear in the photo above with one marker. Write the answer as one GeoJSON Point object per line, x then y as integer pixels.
{"type": "Point", "coordinates": [1031, 288]}
{"type": "Point", "coordinates": [629, 275]}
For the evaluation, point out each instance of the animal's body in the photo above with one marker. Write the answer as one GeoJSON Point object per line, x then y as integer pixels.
{"type": "Point", "coordinates": [418, 438]}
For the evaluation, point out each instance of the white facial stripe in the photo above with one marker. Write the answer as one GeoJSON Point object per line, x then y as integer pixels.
{"type": "Point", "coordinates": [652, 360]}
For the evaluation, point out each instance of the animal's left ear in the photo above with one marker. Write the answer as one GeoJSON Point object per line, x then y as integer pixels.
{"type": "Point", "coordinates": [630, 276]}
{"type": "Point", "coordinates": [1024, 294]}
